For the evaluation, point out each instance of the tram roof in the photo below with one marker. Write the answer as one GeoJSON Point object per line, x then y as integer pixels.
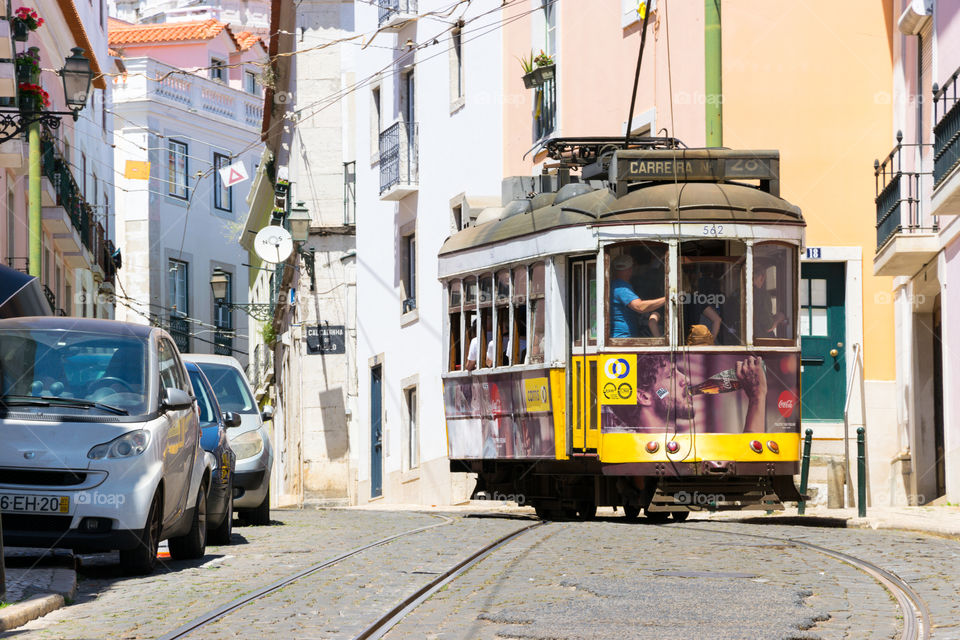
{"type": "Point", "coordinates": [652, 203]}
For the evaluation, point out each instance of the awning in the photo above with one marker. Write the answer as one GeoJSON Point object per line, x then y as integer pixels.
{"type": "Point", "coordinates": [21, 295]}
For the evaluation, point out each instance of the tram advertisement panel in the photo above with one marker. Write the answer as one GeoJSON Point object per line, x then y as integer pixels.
{"type": "Point", "coordinates": [705, 392]}
{"type": "Point", "coordinates": [505, 415]}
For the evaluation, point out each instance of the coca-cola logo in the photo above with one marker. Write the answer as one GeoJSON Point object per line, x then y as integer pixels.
{"type": "Point", "coordinates": [786, 403]}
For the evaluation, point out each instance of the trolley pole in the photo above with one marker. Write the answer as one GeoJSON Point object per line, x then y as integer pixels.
{"type": "Point", "coordinates": [861, 474]}
{"type": "Point", "coordinates": [804, 471]}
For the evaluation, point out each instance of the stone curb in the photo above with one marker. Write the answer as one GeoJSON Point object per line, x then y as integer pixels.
{"type": "Point", "coordinates": [64, 584]}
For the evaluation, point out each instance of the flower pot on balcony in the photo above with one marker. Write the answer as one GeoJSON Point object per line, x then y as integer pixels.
{"type": "Point", "coordinates": [20, 30]}
{"type": "Point", "coordinates": [28, 102]}
{"type": "Point", "coordinates": [532, 79]}
{"type": "Point", "coordinates": [547, 72]}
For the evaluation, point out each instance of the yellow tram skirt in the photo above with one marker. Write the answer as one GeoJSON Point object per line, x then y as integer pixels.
{"type": "Point", "coordinates": [633, 447]}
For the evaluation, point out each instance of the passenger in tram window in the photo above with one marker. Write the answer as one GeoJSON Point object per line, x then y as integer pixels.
{"type": "Point", "coordinates": [627, 309]}
{"type": "Point", "coordinates": [701, 320]}
{"type": "Point", "coordinates": [473, 353]}
{"type": "Point", "coordinates": [766, 323]}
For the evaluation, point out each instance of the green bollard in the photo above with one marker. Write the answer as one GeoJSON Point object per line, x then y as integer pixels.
{"type": "Point", "coordinates": [861, 474]}
{"type": "Point", "coordinates": [804, 471]}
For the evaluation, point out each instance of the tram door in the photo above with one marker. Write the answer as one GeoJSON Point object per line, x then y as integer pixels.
{"type": "Point", "coordinates": [583, 323]}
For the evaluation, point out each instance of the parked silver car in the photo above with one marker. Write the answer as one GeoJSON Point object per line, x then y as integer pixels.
{"type": "Point", "coordinates": [250, 441]}
{"type": "Point", "coordinates": [101, 440]}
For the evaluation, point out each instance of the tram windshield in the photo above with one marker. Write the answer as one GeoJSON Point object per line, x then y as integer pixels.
{"type": "Point", "coordinates": [637, 285]}
{"type": "Point", "coordinates": [774, 283]}
{"type": "Point", "coordinates": [711, 292]}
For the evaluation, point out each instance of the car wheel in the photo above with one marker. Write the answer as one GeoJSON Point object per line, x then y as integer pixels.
{"type": "Point", "coordinates": [259, 515]}
{"type": "Point", "coordinates": [142, 559]}
{"type": "Point", "coordinates": [223, 533]}
{"type": "Point", "coordinates": [194, 543]}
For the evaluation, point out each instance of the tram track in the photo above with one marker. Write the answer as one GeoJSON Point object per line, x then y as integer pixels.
{"type": "Point", "coordinates": [916, 615]}
{"type": "Point", "coordinates": [385, 622]}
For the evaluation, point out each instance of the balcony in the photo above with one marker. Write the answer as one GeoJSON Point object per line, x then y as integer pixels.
{"type": "Point", "coordinates": [399, 159]}
{"type": "Point", "coordinates": [147, 78]}
{"type": "Point", "coordinates": [223, 341]}
{"type": "Point", "coordinates": [905, 239]}
{"type": "Point", "coordinates": [545, 109]}
{"type": "Point", "coordinates": [20, 264]}
{"type": "Point", "coordinates": [395, 13]}
{"type": "Point", "coordinates": [179, 330]}
{"type": "Point", "coordinates": [946, 147]}
{"type": "Point", "coordinates": [69, 220]}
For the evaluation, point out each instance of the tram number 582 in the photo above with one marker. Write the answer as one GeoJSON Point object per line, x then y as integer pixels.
{"type": "Point", "coordinates": [713, 230]}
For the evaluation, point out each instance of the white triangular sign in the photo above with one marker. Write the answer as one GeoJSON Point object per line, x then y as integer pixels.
{"type": "Point", "coordinates": [234, 173]}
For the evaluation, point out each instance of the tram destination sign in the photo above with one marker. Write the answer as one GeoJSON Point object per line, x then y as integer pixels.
{"type": "Point", "coordinates": [708, 165]}
{"type": "Point", "coordinates": [326, 339]}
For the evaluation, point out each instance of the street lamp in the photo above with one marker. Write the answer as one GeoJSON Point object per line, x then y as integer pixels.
{"type": "Point", "coordinates": [299, 220]}
{"type": "Point", "coordinates": [77, 77]}
{"type": "Point", "coordinates": [219, 281]}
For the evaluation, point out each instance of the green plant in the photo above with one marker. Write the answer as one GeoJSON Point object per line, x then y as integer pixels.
{"type": "Point", "coordinates": [543, 60]}
{"type": "Point", "coordinates": [269, 336]}
{"type": "Point", "coordinates": [28, 62]}
{"type": "Point", "coordinates": [527, 63]}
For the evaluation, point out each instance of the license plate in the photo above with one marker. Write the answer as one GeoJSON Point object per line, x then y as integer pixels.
{"type": "Point", "coordinates": [34, 504]}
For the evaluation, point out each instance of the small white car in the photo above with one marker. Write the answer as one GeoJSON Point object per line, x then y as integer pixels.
{"type": "Point", "coordinates": [101, 440]}
{"type": "Point", "coordinates": [250, 441]}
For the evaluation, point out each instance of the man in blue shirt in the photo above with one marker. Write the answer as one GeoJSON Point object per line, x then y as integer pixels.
{"type": "Point", "coordinates": [626, 307]}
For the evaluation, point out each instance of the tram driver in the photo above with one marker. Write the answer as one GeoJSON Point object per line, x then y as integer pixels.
{"type": "Point", "coordinates": [631, 316]}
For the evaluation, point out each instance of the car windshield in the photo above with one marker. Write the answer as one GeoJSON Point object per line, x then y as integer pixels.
{"type": "Point", "coordinates": [230, 387]}
{"type": "Point", "coordinates": [207, 412]}
{"type": "Point", "coordinates": [70, 371]}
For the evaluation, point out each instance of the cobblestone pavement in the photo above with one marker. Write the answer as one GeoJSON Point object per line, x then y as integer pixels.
{"type": "Point", "coordinates": [602, 579]}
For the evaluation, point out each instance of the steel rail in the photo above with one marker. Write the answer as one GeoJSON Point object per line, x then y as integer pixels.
{"type": "Point", "coordinates": [388, 620]}
{"type": "Point", "coordinates": [221, 611]}
{"type": "Point", "coordinates": [916, 615]}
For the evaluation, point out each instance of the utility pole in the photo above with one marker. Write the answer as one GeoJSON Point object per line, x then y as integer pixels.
{"type": "Point", "coordinates": [713, 81]}
{"type": "Point", "coordinates": [35, 222]}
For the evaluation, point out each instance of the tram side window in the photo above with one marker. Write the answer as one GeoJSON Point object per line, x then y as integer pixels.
{"type": "Point", "coordinates": [470, 322]}
{"type": "Point", "coordinates": [486, 344]}
{"type": "Point", "coordinates": [637, 284]}
{"type": "Point", "coordinates": [519, 331]}
{"type": "Point", "coordinates": [774, 287]}
{"type": "Point", "coordinates": [711, 292]}
{"type": "Point", "coordinates": [502, 320]}
{"type": "Point", "coordinates": [537, 312]}
{"type": "Point", "coordinates": [454, 311]}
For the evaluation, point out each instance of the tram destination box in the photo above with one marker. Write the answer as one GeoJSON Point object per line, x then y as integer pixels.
{"type": "Point", "coordinates": [326, 339]}
{"type": "Point", "coordinates": [709, 165]}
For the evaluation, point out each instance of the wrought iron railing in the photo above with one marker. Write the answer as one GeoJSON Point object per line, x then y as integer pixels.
{"type": "Point", "coordinates": [898, 196]}
{"type": "Point", "coordinates": [20, 264]}
{"type": "Point", "coordinates": [276, 286]}
{"type": "Point", "coordinates": [350, 193]}
{"type": "Point", "coordinates": [946, 129]}
{"type": "Point", "coordinates": [545, 109]}
{"type": "Point", "coordinates": [69, 196]}
{"type": "Point", "coordinates": [399, 157]}
{"type": "Point", "coordinates": [51, 298]}
{"type": "Point", "coordinates": [223, 341]}
{"type": "Point", "coordinates": [390, 7]}
{"type": "Point", "coordinates": [180, 332]}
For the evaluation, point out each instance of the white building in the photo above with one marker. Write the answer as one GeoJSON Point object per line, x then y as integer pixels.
{"type": "Point", "coordinates": [252, 15]}
{"type": "Point", "coordinates": [182, 222]}
{"type": "Point", "coordinates": [429, 105]}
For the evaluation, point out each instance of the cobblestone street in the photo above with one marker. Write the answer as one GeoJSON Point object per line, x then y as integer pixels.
{"type": "Point", "coordinates": [602, 579]}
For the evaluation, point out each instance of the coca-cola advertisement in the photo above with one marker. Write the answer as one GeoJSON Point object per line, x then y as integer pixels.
{"type": "Point", "coordinates": [710, 393]}
{"type": "Point", "coordinates": [504, 415]}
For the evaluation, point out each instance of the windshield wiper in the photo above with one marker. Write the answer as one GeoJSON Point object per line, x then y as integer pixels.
{"type": "Point", "coordinates": [46, 401]}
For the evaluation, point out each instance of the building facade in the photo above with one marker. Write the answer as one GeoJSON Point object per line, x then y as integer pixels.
{"type": "Point", "coordinates": [185, 109]}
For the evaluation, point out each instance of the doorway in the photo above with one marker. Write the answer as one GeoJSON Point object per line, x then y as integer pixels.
{"type": "Point", "coordinates": [376, 431]}
{"type": "Point", "coordinates": [822, 339]}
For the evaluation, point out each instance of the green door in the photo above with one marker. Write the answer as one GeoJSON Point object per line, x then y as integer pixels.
{"type": "Point", "coordinates": [822, 337]}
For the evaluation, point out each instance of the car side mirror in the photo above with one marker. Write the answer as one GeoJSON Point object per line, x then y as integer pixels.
{"type": "Point", "coordinates": [231, 419]}
{"type": "Point", "coordinates": [176, 399]}
{"type": "Point", "coordinates": [267, 413]}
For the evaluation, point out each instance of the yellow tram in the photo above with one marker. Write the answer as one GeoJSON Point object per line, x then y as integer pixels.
{"type": "Point", "coordinates": [629, 337]}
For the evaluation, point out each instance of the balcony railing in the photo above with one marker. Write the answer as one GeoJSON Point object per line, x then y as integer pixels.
{"type": "Point", "coordinates": [946, 129]}
{"type": "Point", "coordinates": [179, 330]}
{"type": "Point", "coordinates": [898, 197]}
{"type": "Point", "coordinates": [350, 193]}
{"type": "Point", "coordinates": [223, 342]}
{"type": "Point", "coordinates": [545, 109]}
{"type": "Point", "coordinates": [391, 8]}
{"type": "Point", "coordinates": [399, 157]}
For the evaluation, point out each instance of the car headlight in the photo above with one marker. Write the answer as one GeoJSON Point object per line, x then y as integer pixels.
{"type": "Point", "coordinates": [126, 446]}
{"type": "Point", "coordinates": [247, 445]}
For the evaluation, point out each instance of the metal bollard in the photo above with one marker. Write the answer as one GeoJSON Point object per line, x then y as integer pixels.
{"type": "Point", "coordinates": [861, 474]}
{"type": "Point", "coordinates": [804, 471]}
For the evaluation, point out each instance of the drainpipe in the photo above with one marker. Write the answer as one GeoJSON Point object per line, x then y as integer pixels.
{"type": "Point", "coordinates": [713, 82]}
{"type": "Point", "coordinates": [34, 221]}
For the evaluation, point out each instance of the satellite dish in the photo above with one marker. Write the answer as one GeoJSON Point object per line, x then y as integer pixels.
{"type": "Point", "coordinates": [273, 244]}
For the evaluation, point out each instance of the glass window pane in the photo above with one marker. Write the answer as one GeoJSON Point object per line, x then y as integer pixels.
{"type": "Point", "coordinates": [486, 290]}
{"type": "Point", "coordinates": [774, 277]}
{"type": "Point", "coordinates": [455, 289]}
{"type": "Point", "coordinates": [537, 349]}
{"type": "Point", "coordinates": [805, 322]}
{"type": "Point", "coordinates": [470, 284]}
{"type": "Point", "coordinates": [592, 301]}
{"type": "Point", "coordinates": [537, 281]}
{"type": "Point", "coordinates": [503, 287]}
{"type": "Point", "coordinates": [818, 292]}
{"type": "Point", "coordinates": [818, 323]}
{"type": "Point", "coordinates": [804, 292]}
{"type": "Point", "coordinates": [637, 272]}
{"type": "Point", "coordinates": [577, 295]}
{"type": "Point", "coordinates": [520, 285]}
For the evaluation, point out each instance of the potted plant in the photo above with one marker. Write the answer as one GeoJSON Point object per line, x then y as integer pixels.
{"type": "Point", "coordinates": [530, 79]}
{"type": "Point", "coordinates": [545, 66]}
{"type": "Point", "coordinates": [33, 97]}
{"type": "Point", "coordinates": [28, 66]}
{"type": "Point", "coordinates": [23, 21]}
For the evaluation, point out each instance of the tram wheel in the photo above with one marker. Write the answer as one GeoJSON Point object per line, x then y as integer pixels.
{"type": "Point", "coordinates": [680, 516]}
{"type": "Point", "coordinates": [630, 512]}
{"type": "Point", "coordinates": [586, 510]}
{"type": "Point", "coordinates": [657, 517]}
